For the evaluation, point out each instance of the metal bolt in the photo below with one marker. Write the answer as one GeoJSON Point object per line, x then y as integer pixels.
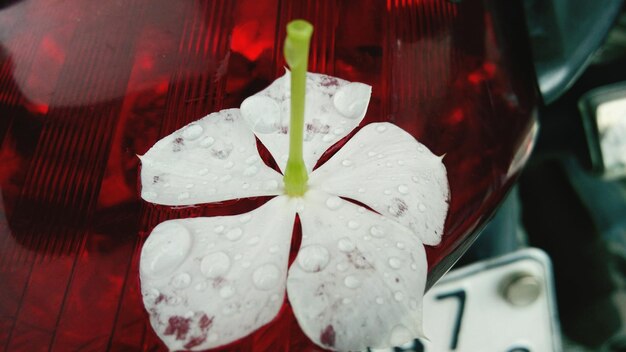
{"type": "Point", "coordinates": [521, 289]}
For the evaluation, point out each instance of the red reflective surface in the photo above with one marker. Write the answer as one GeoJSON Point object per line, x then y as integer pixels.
{"type": "Point", "coordinates": [85, 86]}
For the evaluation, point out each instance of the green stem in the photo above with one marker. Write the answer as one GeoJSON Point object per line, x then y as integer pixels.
{"type": "Point", "coordinates": [297, 56]}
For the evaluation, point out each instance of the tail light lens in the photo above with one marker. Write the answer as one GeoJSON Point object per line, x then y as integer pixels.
{"type": "Point", "coordinates": [86, 86]}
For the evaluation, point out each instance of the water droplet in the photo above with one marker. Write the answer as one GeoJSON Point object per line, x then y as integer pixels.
{"type": "Point", "coordinates": [381, 128]}
{"type": "Point", "coordinates": [229, 309]}
{"type": "Point", "coordinates": [389, 164]}
{"type": "Point", "coordinates": [327, 138]}
{"type": "Point", "coordinates": [353, 224]}
{"type": "Point", "coordinates": [395, 263]}
{"type": "Point", "coordinates": [361, 190]}
{"type": "Point", "coordinates": [371, 154]}
{"type": "Point", "coordinates": [173, 300]}
{"type": "Point", "coordinates": [400, 245]}
{"type": "Point", "coordinates": [380, 300]}
{"type": "Point", "coordinates": [377, 231]}
{"type": "Point", "coordinates": [183, 196]}
{"type": "Point", "coordinates": [251, 160]}
{"type": "Point", "coordinates": [367, 238]}
{"type": "Point", "coordinates": [313, 258]}
{"type": "Point", "coordinates": [415, 179]}
{"type": "Point", "coordinates": [193, 131]}
{"type": "Point", "coordinates": [270, 185]}
{"type": "Point", "coordinates": [413, 304]}
{"type": "Point", "coordinates": [203, 172]}
{"type": "Point", "coordinates": [207, 142]}
{"type": "Point", "coordinates": [342, 267]}
{"type": "Point", "coordinates": [352, 281]}
{"type": "Point", "coordinates": [251, 171]}
{"type": "Point", "coordinates": [421, 149]}
{"type": "Point", "coordinates": [413, 266]}
{"type": "Point", "coordinates": [181, 280]}
{"type": "Point", "coordinates": [346, 163]}
{"type": "Point", "coordinates": [422, 207]}
{"type": "Point", "coordinates": [400, 335]}
{"type": "Point", "coordinates": [189, 185]}
{"type": "Point", "coordinates": [346, 301]}
{"type": "Point", "coordinates": [398, 296]}
{"type": "Point", "coordinates": [234, 234]}
{"type": "Point", "coordinates": [227, 291]}
{"type": "Point", "coordinates": [201, 286]}
{"type": "Point", "coordinates": [245, 185]}
{"type": "Point", "coordinates": [165, 249]}
{"type": "Point", "coordinates": [345, 245]}
{"type": "Point", "coordinates": [218, 229]}
{"type": "Point", "coordinates": [387, 192]}
{"type": "Point", "coordinates": [245, 218]}
{"type": "Point", "coordinates": [361, 210]}
{"type": "Point", "coordinates": [400, 162]}
{"type": "Point", "coordinates": [403, 189]}
{"type": "Point", "coordinates": [338, 131]}
{"type": "Point", "coordinates": [333, 202]}
{"type": "Point", "coordinates": [213, 337]}
{"type": "Point", "coordinates": [266, 277]}
{"type": "Point", "coordinates": [215, 265]}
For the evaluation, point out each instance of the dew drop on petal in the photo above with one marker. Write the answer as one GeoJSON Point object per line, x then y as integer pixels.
{"type": "Point", "coordinates": [346, 301]}
{"type": "Point", "coordinates": [218, 229]}
{"type": "Point", "coordinates": [421, 207]}
{"type": "Point", "coordinates": [413, 266]}
{"type": "Point", "coordinates": [201, 286]}
{"type": "Point", "coordinates": [387, 192]}
{"type": "Point", "coordinates": [380, 300]}
{"type": "Point", "coordinates": [346, 162]}
{"type": "Point", "coordinates": [181, 280]}
{"type": "Point", "coordinates": [274, 249]}
{"type": "Point", "coordinates": [327, 138]}
{"type": "Point", "coordinates": [415, 179]}
{"type": "Point", "coordinates": [207, 142]}
{"type": "Point", "coordinates": [189, 185]}
{"type": "Point", "coordinates": [342, 267]}
{"type": "Point", "coordinates": [371, 154]}
{"type": "Point", "coordinates": [381, 128]}
{"type": "Point", "coordinates": [395, 263]}
{"type": "Point", "coordinates": [203, 172]}
{"type": "Point", "coordinates": [245, 218]}
{"type": "Point", "coordinates": [251, 160]}
{"type": "Point", "coordinates": [184, 195]}
{"type": "Point", "coordinates": [345, 245]}
{"type": "Point", "coordinates": [227, 291]}
{"type": "Point", "coordinates": [361, 190]}
{"type": "Point", "coordinates": [352, 281]}
{"type": "Point", "coordinates": [400, 335]}
{"type": "Point", "coordinates": [266, 277]}
{"type": "Point", "coordinates": [165, 249]}
{"type": "Point", "coordinates": [215, 265]}
{"type": "Point", "coordinates": [398, 296]}
{"type": "Point", "coordinates": [400, 245]}
{"type": "Point", "coordinates": [333, 202]}
{"type": "Point", "coordinates": [234, 234]}
{"type": "Point", "coordinates": [353, 224]}
{"type": "Point", "coordinates": [193, 131]}
{"type": "Point", "coordinates": [338, 131]}
{"type": "Point", "coordinates": [403, 189]}
{"type": "Point", "coordinates": [313, 258]}
{"type": "Point", "coordinates": [377, 231]}
{"type": "Point", "coordinates": [413, 304]}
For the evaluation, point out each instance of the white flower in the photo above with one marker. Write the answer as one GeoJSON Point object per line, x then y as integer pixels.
{"type": "Point", "coordinates": [358, 279]}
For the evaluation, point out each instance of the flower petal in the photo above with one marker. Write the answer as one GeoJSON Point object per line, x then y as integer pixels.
{"type": "Point", "coordinates": [333, 108]}
{"type": "Point", "coordinates": [358, 280]}
{"type": "Point", "coordinates": [210, 160]}
{"type": "Point", "coordinates": [397, 176]}
{"type": "Point", "coordinates": [210, 281]}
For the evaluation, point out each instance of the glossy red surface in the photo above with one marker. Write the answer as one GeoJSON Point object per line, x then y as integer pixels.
{"type": "Point", "coordinates": [85, 86]}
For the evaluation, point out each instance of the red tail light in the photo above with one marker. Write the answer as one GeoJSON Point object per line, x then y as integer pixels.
{"type": "Point", "coordinates": [86, 86]}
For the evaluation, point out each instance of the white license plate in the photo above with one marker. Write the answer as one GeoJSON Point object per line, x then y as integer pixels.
{"type": "Point", "coordinates": [468, 309]}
